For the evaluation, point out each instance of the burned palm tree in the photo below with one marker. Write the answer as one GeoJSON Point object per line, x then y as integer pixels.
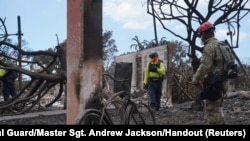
{"type": "Point", "coordinates": [138, 45]}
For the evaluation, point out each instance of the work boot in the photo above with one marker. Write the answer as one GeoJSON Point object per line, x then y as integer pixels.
{"type": "Point", "coordinates": [196, 106]}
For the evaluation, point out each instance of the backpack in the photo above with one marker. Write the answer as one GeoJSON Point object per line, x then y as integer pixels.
{"type": "Point", "coordinates": [230, 67]}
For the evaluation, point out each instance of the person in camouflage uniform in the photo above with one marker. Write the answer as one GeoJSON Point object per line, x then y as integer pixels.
{"type": "Point", "coordinates": [211, 63]}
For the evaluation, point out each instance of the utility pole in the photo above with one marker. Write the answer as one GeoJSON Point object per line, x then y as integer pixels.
{"type": "Point", "coordinates": [155, 30]}
{"type": "Point", "coordinates": [19, 36]}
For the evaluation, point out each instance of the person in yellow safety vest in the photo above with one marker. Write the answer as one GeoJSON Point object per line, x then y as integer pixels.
{"type": "Point", "coordinates": [154, 74]}
{"type": "Point", "coordinates": [8, 82]}
{"type": "Point", "coordinates": [2, 71]}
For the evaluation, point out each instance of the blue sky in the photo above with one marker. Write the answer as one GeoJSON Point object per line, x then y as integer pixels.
{"type": "Point", "coordinates": [127, 18]}
{"type": "Point", "coordinates": [42, 19]}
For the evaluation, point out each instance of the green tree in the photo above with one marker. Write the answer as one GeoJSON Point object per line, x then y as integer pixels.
{"type": "Point", "coordinates": [109, 48]}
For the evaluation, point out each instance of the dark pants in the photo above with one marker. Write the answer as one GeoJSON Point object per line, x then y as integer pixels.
{"type": "Point", "coordinates": [198, 100]}
{"type": "Point", "coordinates": [8, 90]}
{"type": "Point", "coordinates": [155, 92]}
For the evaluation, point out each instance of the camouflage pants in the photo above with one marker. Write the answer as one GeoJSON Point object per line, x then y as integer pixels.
{"type": "Point", "coordinates": [213, 110]}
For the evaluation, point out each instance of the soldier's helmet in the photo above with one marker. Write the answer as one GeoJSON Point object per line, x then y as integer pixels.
{"type": "Point", "coordinates": [203, 27]}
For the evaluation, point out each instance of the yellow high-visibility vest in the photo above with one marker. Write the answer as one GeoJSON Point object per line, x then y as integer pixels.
{"type": "Point", "coordinates": [2, 72]}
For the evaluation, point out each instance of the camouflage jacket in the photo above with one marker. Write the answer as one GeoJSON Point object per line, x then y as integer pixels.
{"type": "Point", "coordinates": [211, 61]}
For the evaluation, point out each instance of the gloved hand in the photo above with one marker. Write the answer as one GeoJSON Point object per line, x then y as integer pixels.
{"type": "Point", "coordinates": [145, 86]}
{"type": "Point", "coordinates": [153, 69]}
{"type": "Point", "coordinates": [199, 83]}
